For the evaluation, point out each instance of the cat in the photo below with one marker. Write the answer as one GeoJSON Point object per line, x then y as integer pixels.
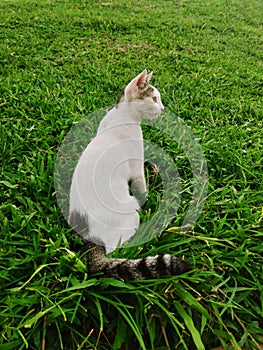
{"type": "Point", "coordinates": [102, 208]}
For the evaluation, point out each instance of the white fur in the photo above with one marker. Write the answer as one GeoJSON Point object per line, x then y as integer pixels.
{"type": "Point", "coordinates": [99, 189]}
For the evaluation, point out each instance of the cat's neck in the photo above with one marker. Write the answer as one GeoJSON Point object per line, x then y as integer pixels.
{"type": "Point", "coordinates": [126, 112]}
{"type": "Point", "coordinates": [122, 115]}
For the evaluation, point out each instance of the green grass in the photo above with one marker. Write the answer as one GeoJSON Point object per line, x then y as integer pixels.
{"type": "Point", "coordinates": [61, 60]}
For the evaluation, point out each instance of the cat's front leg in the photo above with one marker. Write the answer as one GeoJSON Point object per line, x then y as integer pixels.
{"type": "Point", "coordinates": [137, 181]}
{"type": "Point", "coordinates": [139, 189]}
{"type": "Point", "coordinates": [139, 185]}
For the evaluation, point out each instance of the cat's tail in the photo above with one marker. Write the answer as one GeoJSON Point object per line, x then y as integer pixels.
{"type": "Point", "coordinates": [129, 269]}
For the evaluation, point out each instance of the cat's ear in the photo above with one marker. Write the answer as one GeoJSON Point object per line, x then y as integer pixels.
{"type": "Point", "coordinates": [148, 77]}
{"type": "Point", "coordinates": [133, 87]}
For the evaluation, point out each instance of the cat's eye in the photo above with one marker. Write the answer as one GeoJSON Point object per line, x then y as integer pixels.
{"type": "Point", "coordinates": [154, 99]}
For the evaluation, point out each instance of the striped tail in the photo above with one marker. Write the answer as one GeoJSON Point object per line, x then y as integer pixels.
{"type": "Point", "coordinates": [128, 269]}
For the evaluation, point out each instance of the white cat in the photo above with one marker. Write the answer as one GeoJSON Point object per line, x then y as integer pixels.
{"type": "Point", "coordinates": [102, 209]}
{"type": "Point", "coordinates": [114, 158]}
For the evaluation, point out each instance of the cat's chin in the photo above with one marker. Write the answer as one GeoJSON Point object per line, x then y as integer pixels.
{"type": "Point", "coordinates": [152, 115]}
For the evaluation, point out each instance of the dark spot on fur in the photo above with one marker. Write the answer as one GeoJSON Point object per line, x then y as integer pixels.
{"type": "Point", "coordinates": [121, 97]}
{"type": "Point", "coordinates": [123, 269]}
{"type": "Point", "coordinates": [145, 90]}
{"type": "Point", "coordinates": [161, 267]}
{"type": "Point", "coordinates": [144, 270]}
{"type": "Point", "coordinates": [78, 222]}
{"type": "Point", "coordinates": [179, 266]}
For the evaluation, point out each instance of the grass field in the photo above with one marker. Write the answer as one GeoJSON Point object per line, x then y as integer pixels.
{"type": "Point", "coordinates": [60, 61]}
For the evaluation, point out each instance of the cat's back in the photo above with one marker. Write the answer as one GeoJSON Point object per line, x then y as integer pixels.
{"type": "Point", "coordinates": [117, 141]}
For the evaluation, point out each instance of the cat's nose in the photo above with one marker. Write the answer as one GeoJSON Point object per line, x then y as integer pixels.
{"type": "Point", "coordinates": [162, 108]}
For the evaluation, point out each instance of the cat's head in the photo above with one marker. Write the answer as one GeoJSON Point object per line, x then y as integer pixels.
{"type": "Point", "coordinates": [143, 98]}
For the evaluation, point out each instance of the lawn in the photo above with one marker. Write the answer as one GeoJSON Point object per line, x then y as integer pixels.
{"type": "Point", "coordinates": [62, 60]}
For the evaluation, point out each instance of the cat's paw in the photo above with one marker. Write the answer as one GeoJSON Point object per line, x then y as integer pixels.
{"type": "Point", "coordinates": [139, 192]}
